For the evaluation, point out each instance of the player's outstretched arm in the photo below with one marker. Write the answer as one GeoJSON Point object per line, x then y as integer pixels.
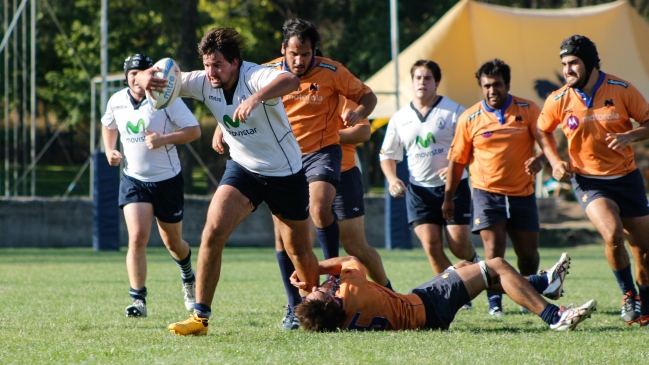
{"type": "Point", "coordinates": [453, 177]}
{"type": "Point", "coordinates": [149, 81]}
{"type": "Point", "coordinates": [332, 266]}
{"type": "Point", "coordinates": [560, 169]}
{"type": "Point", "coordinates": [356, 134]}
{"type": "Point", "coordinates": [366, 105]}
{"type": "Point", "coordinates": [186, 135]}
{"type": "Point", "coordinates": [283, 84]}
{"type": "Point", "coordinates": [396, 187]}
{"type": "Point", "coordinates": [109, 137]}
{"type": "Point", "coordinates": [620, 141]}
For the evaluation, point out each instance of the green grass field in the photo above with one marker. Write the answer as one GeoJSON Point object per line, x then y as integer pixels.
{"type": "Point", "coordinates": [67, 306]}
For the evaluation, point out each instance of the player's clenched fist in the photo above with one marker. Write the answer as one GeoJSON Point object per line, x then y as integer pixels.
{"type": "Point", "coordinates": [561, 171]}
{"type": "Point", "coordinates": [114, 157]}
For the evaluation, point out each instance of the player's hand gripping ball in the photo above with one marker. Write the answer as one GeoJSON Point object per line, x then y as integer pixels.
{"type": "Point", "coordinates": [170, 71]}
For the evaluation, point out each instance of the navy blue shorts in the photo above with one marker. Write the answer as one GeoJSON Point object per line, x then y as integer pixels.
{"type": "Point", "coordinates": [627, 191]}
{"type": "Point", "coordinates": [349, 195]}
{"type": "Point", "coordinates": [324, 165]}
{"type": "Point", "coordinates": [442, 297]}
{"type": "Point", "coordinates": [425, 204]}
{"type": "Point", "coordinates": [287, 196]}
{"type": "Point", "coordinates": [490, 209]}
{"type": "Point", "coordinates": [167, 196]}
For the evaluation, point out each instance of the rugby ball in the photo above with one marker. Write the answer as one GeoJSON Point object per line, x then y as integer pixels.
{"type": "Point", "coordinates": [170, 71]}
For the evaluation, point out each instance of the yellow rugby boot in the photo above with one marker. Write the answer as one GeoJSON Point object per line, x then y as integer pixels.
{"type": "Point", "coordinates": [195, 325]}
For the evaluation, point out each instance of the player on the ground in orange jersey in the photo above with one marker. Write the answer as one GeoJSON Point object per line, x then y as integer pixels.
{"type": "Point", "coordinates": [595, 110]}
{"type": "Point", "coordinates": [313, 111]}
{"type": "Point", "coordinates": [496, 137]}
{"type": "Point", "coordinates": [425, 129]}
{"type": "Point", "coordinates": [356, 304]}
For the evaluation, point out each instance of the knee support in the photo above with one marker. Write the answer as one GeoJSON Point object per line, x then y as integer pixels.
{"type": "Point", "coordinates": [484, 269]}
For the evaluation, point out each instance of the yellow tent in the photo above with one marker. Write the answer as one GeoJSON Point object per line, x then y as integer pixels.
{"type": "Point", "coordinates": [528, 40]}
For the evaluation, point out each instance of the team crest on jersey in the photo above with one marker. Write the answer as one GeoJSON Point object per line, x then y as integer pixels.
{"type": "Point", "coordinates": [572, 122]}
{"type": "Point", "coordinates": [441, 123]}
{"type": "Point", "coordinates": [519, 118]}
{"type": "Point", "coordinates": [314, 87]}
{"type": "Point", "coordinates": [326, 65]}
{"type": "Point", "coordinates": [617, 82]}
{"type": "Point", "coordinates": [609, 102]}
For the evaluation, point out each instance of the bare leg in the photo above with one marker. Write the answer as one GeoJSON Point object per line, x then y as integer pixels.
{"type": "Point", "coordinates": [605, 215]}
{"type": "Point", "coordinates": [495, 240]}
{"type": "Point", "coordinates": [138, 218]}
{"type": "Point", "coordinates": [171, 234]}
{"type": "Point", "coordinates": [459, 243]}
{"type": "Point", "coordinates": [511, 282]}
{"type": "Point", "coordinates": [295, 235]}
{"type": "Point", "coordinates": [526, 247]}
{"type": "Point", "coordinates": [431, 239]}
{"type": "Point", "coordinates": [321, 198]}
{"type": "Point", "coordinates": [227, 209]}
{"type": "Point", "coordinates": [636, 229]}
{"type": "Point", "coordinates": [352, 237]}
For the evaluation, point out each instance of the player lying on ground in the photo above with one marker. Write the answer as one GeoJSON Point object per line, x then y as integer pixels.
{"type": "Point", "coordinates": [358, 304]}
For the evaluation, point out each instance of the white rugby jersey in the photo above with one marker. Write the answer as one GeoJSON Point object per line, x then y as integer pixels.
{"type": "Point", "coordinates": [426, 139]}
{"type": "Point", "coordinates": [263, 144]}
{"type": "Point", "coordinates": [140, 162]}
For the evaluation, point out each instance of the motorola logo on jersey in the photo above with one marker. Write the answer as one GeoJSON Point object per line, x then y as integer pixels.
{"type": "Point", "coordinates": [441, 123]}
{"type": "Point", "coordinates": [487, 134]}
{"type": "Point", "coordinates": [214, 98]}
{"type": "Point", "coordinates": [601, 117]}
{"type": "Point", "coordinates": [572, 122]}
{"type": "Point", "coordinates": [135, 128]}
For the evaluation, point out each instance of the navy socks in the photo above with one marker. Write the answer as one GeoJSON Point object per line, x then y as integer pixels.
{"type": "Point", "coordinates": [286, 269]}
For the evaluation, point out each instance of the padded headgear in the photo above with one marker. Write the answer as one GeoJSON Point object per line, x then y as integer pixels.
{"type": "Point", "coordinates": [582, 47]}
{"type": "Point", "coordinates": [138, 61]}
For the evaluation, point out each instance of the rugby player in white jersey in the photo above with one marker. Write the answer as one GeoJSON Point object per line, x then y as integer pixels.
{"type": "Point", "coordinates": [425, 128]}
{"type": "Point", "coordinates": [152, 184]}
{"type": "Point", "coordinates": [266, 164]}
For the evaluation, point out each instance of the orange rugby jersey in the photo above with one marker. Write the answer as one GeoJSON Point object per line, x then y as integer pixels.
{"type": "Point", "coordinates": [495, 150]}
{"type": "Point", "coordinates": [585, 122]}
{"type": "Point", "coordinates": [369, 306]}
{"type": "Point", "coordinates": [313, 108]}
{"type": "Point", "coordinates": [349, 150]}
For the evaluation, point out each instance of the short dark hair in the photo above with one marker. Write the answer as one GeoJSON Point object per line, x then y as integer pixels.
{"type": "Point", "coordinates": [492, 68]}
{"type": "Point", "coordinates": [224, 40]}
{"type": "Point", "coordinates": [320, 315]}
{"type": "Point", "coordinates": [431, 65]}
{"type": "Point", "coordinates": [302, 29]}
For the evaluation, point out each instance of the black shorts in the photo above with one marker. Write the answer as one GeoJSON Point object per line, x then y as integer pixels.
{"type": "Point", "coordinates": [287, 196]}
{"type": "Point", "coordinates": [628, 192]}
{"type": "Point", "coordinates": [442, 297]}
{"type": "Point", "coordinates": [324, 165]}
{"type": "Point", "coordinates": [425, 204]}
{"type": "Point", "coordinates": [349, 195]}
{"type": "Point", "coordinates": [167, 196]}
{"type": "Point", "coordinates": [489, 209]}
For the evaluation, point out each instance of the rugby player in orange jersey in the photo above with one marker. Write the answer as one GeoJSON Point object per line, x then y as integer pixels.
{"type": "Point", "coordinates": [594, 110]}
{"type": "Point", "coordinates": [313, 111]}
{"type": "Point", "coordinates": [354, 303]}
{"type": "Point", "coordinates": [496, 137]}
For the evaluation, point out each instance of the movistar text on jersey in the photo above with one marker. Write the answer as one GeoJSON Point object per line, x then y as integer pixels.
{"type": "Point", "coordinates": [134, 139]}
{"type": "Point", "coordinates": [430, 153]}
{"type": "Point", "coordinates": [245, 132]}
